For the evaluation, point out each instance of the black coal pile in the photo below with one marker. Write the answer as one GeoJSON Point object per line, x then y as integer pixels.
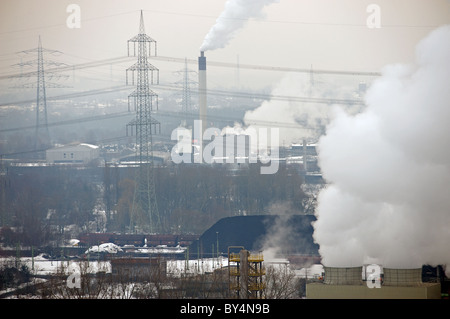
{"type": "Point", "coordinates": [288, 234]}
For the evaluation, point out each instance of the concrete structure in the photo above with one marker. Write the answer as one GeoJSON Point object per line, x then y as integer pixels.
{"type": "Point", "coordinates": [323, 291]}
{"type": "Point", "coordinates": [347, 283]}
{"type": "Point", "coordinates": [343, 276]}
{"type": "Point", "coordinates": [202, 97]}
{"type": "Point", "coordinates": [76, 154]}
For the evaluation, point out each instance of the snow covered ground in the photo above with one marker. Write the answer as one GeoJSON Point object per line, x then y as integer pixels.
{"type": "Point", "coordinates": [40, 265]}
{"type": "Point", "coordinates": [195, 266]}
{"type": "Point", "coordinates": [162, 249]}
{"type": "Point", "coordinates": [104, 248]}
{"type": "Point", "coordinates": [175, 268]}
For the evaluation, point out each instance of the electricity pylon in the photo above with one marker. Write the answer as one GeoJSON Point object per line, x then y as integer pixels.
{"type": "Point", "coordinates": [4, 185]}
{"type": "Point", "coordinates": [144, 211]}
{"type": "Point", "coordinates": [186, 106]}
{"type": "Point", "coordinates": [42, 135]}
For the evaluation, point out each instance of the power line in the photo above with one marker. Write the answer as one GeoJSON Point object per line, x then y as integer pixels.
{"type": "Point", "coordinates": [112, 89]}
{"type": "Point", "coordinates": [225, 93]}
{"type": "Point", "coordinates": [84, 20]}
{"type": "Point", "coordinates": [171, 114]}
{"type": "Point", "coordinates": [72, 121]}
{"type": "Point", "coordinates": [58, 25]}
{"type": "Point", "coordinates": [216, 92]}
{"type": "Point", "coordinates": [67, 68]}
{"type": "Point", "coordinates": [263, 20]}
{"type": "Point", "coordinates": [121, 59]}
{"type": "Point", "coordinates": [262, 96]}
{"type": "Point", "coordinates": [267, 68]}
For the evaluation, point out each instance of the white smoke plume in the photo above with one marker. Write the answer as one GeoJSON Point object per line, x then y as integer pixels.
{"type": "Point", "coordinates": [388, 168]}
{"type": "Point", "coordinates": [296, 118]}
{"type": "Point", "coordinates": [231, 20]}
{"type": "Point", "coordinates": [279, 234]}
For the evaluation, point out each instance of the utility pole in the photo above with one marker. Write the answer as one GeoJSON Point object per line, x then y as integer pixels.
{"type": "Point", "coordinates": [144, 211]}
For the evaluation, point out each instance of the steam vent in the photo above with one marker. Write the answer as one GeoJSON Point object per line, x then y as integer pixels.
{"type": "Point", "coordinates": [353, 283]}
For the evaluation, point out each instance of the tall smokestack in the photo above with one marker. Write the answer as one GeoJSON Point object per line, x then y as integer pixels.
{"type": "Point", "coordinates": [202, 92]}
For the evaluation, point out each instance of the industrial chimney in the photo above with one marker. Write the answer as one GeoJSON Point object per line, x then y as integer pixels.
{"type": "Point", "coordinates": [202, 93]}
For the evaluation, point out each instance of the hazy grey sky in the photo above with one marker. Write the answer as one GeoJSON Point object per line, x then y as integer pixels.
{"type": "Point", "coordinates": [327, 34]}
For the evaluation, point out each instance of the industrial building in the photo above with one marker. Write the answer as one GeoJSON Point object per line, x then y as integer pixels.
{"type": "Point", "coordinates": [350, 283]}
{"type": "Point", "coordinates": [75, 154]}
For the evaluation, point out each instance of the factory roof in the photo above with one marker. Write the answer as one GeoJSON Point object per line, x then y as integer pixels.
{"type": "Point", "coordinates": [89, 145]}
{"type": "Point", "coordinates": [83, 145]}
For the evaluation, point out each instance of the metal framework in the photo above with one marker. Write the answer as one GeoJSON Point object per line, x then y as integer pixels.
{"type": "Point", "coordinates": [186, 107]}
{"type": "Point", "coordinates": [245, 273]}
{"type": "Point", "coordinates": [144, 211]}
{"type": "Point", "coordinates": [4, 185]}
{"type": "Point", "coordinates": [42, 135]}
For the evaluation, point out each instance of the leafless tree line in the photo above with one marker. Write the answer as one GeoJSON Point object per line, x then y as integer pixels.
{"type": "Point", "coordinates": [85, 282]}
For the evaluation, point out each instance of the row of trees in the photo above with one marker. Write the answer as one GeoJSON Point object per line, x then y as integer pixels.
{"type": "Point", "coordinates": [280, 283]}
{"type": "Point", "coordinates": [38, 204]}
{"type": "Point", "coordinates": [191, 198]}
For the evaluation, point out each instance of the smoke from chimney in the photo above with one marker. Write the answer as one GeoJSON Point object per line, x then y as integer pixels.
{"type": "Point", "coordinates": [388, 168]}
{"type": "Point", "coordinates": [231, 20]}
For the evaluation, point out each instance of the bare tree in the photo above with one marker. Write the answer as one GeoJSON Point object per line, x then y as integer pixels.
{"type": "Point", "coordinates": [281, 283]}
{"type": "Point", "coordinates": [77, 281]}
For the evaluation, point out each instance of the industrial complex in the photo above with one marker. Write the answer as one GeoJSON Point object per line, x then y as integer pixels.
{"type": "Point", "coordinates": [247, 248]}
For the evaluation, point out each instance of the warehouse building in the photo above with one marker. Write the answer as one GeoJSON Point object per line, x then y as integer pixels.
{"type": "Point", "coordinates": [75, 154]}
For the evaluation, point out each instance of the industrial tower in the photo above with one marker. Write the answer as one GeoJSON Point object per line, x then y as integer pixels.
{"type": "Point", "coordinates": [42, 135]}
{"type": "Point", "coordinates": [144, 211]}
{"type": "Point", "coordinates": [202, 96]}
{"type": "Point", "coordinates": [245, 273]}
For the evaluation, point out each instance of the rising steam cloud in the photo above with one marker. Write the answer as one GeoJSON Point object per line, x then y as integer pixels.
{"type": "Point", "coordinates": [291, 112]}
{"type": "Point", "coordinates": [231, 20]}
{"type": "Point", "coordinates": [388, 201]}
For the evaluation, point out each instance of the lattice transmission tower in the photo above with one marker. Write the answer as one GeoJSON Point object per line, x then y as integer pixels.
{"type": "Point", "coordinates": [42, 134]}
{"type": "Point", "coordinates": [186, 99]}
{"type": "Point", "coordinates": [144, 211]}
